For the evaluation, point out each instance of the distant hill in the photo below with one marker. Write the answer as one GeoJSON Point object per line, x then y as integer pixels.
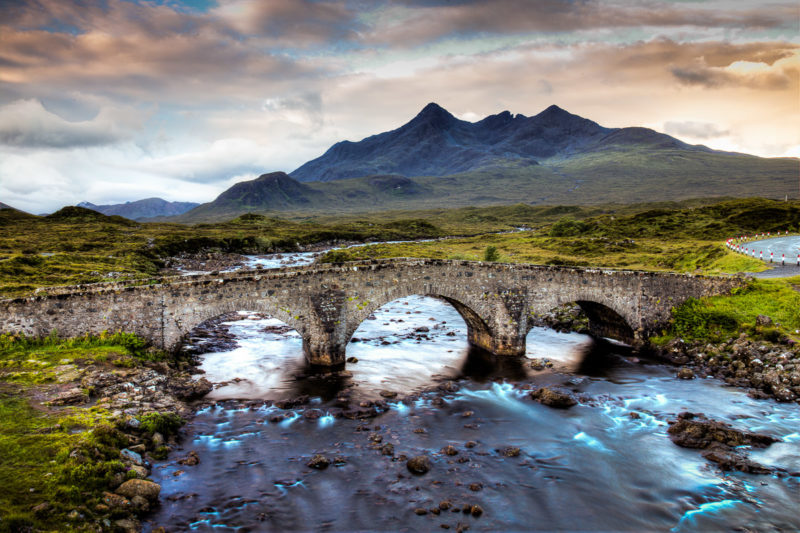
{"type": "Point", "coordinates": [555, 157]}
{"type": "Point", "coordinates": [141, 209]}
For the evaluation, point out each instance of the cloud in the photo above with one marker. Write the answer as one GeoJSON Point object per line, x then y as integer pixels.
{"type": "Point", "coordinates": [26, 123]}
{"type": "Point", "coordinates": [696, 130]}
{"type": "Point", "coordinates": [419, 21]}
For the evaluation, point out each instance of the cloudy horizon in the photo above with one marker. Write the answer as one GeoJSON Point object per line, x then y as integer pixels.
{"type": "Point", "coordinates": [110, 101]}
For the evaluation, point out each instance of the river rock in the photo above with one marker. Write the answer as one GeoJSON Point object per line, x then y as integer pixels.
{"type": "Point", "coordinates": [131, 456]}
{"type": "Point", "coordinates": [553, 398]}
{"type": "Point", "coordinates": [115, 501]}
{"type": "Point", "coordinates": [320, 462]}
{"type": "Point", "coordinates": [763, 320]}
{"type": "Point", "coordinates": [140, 487]}
{"type": "Point", "coordinates": [419, 464]}
{"type": "Point", "coordinates": [693, 430]}
{"type": "Point", "coordinates": [450, 450]}
{"type": "Point", "coordinates": [127, 525]}
{"type": "Point", "coordinates": [74, 396]}
{"type": "Point", "coordinates": [190, 460]}
{"type": "Point", "coordinates": [685, 373]}
{"type": "Point", "coordinates": [191, 390]}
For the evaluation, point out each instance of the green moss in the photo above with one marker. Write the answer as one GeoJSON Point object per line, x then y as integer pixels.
{"type": "Point", "coordinates": [165, 423]}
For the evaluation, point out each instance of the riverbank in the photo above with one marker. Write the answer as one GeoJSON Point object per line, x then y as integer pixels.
{"type": "Point", "coordinates": [81, 423]}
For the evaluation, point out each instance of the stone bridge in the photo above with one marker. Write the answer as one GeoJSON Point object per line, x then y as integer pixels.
{"type": "Point", "coordinates": [326, 303]}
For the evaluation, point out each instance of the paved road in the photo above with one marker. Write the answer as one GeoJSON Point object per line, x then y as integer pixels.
{"type": "Point", "coordinates": [790, 246]}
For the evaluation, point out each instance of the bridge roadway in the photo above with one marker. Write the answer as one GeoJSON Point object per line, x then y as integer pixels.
{"type": "Point", "coordinates": [326, 303]}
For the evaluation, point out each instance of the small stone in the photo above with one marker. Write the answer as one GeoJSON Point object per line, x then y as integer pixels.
{"type": "Point", "coordinates": [467, 414]}
{"type": "Point", "coordinates": [685, 373]}
{"type": "Point", "coordinates": [387, 449]}
{"type": "Point", "coordinates": [475, 487]}
{"type": "Point", "coordinates": [388, 394]}
{"type": "Point", "coordinates": [131, 456]}
{"type": "Point", "coordinates": [476, 511]}
{"type": "Point", "coordinates": [190, 460]}
{"type": "Point", "coordinates": [320, 462]}
{"type": "Point", "coordinates": [140, 471]}
{"type": "Point", "coordinates": [140, 504]}
{"type": "Point", "coordinates": [127, 525]}
{"type": "Point", "coordinates": [510, 451]}
{"type": "Point", "coordinates": [450, 450]}
{"type": "Point", "coordinates": [352, 360]}
{"type": "Point", "coordinates": [420, 430]}
{"type": "Point", "coordinates": [419, 464]}
{"type": "Point", "coordinates": [312, 414]}
{"type": "Point", "coordinates": [115, 501]}
{"type": "Point", "coordinates": [41, 508]}
{"type": "Point", "coordinates": [445, 505]}
{"type": "Point", "coordinates": [470, 444]}
{"type": "Point", "coordinates": [158, 439]}
{"type": "Point", "coordinates": [763, 320]}
{"type": "Point", "coordinates": [420, 511]}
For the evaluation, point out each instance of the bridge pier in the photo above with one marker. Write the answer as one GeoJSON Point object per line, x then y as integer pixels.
{"type": "Point", "coordinates": [324, 353]}
{"type": "Point", "coordinates": [512, 344]}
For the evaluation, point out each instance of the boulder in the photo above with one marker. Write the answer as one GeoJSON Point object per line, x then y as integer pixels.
{"type": "Point", "coordinates": [140, 487]}
{"type": "Point", "coordinates": [419, 464]}
{"type": "Point", "coordinates": [553, 398]}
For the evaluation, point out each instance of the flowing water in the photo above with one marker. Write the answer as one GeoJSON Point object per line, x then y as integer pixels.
{"type": "Point", "coordinates": [591, 467]}
{"type": "Point", "coordinates": [595, 466]}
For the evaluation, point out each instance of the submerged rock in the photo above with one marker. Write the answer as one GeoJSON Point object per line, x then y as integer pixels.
{"type": "Point", "coordinates": [553, 398]}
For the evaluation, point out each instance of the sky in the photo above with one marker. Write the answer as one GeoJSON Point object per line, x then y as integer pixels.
{"type": "Point", "coordinates": [110, 101]}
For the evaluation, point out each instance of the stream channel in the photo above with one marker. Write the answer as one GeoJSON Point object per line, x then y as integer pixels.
{"type": "Point", "coordinates": [592, 467]}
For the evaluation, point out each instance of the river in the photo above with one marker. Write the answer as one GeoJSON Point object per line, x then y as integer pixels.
{"type": "Point", "coordinates": [592, 467]}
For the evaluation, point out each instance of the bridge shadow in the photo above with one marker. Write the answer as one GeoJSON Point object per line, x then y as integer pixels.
{"type": "Point", "coordinates": [480, 366]}
{"type": "Point", "coordinates": [601, 357]}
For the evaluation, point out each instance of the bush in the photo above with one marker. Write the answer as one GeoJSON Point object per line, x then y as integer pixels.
{"type": "Point", "coordinates": [491, 254]}
{"type": "Point", "coordinates": [567, 227]}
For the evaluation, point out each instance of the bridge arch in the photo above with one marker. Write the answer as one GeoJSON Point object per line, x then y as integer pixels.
{"type": "Point", "coordinates": [471, 308]}
{"type": "Point", "coordinates": [186, 322]}
{"type": "Point", "coordinates": [606, 318]}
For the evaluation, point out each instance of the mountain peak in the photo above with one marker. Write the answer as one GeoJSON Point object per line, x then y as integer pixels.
{"type": "Point", "coordinates": [434, 114]}
{"type": "Point", "coordinates": [554, 111]}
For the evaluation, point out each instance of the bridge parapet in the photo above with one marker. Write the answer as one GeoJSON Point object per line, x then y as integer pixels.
{"type": "Point", "coordinates": [326, 303]}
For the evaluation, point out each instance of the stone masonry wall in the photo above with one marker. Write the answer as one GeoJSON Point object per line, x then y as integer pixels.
{"type": "Point", "coordinates": [326, 303]}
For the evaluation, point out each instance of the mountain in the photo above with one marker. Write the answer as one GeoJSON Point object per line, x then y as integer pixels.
{"type": "Point", "coordinates": [555, 157]}
{"type": "Point", "coordinates": [269, 192]}
{"type": "Point", "coordinates": [435, 143]}
{"type": "Point", "coordinates": [141, 209]}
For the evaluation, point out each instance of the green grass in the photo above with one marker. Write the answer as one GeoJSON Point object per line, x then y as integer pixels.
{"type": "Point", "coordinates": [66, 456]}
{"type": "Point", "coordinates": [723, 318]}
{"type": "Point", "coordinates": [77, 246]}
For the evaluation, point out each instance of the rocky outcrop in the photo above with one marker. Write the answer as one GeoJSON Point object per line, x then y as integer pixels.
{"type": "Point", "coordinates": [719, 441]}
{"type": "Point", "coordinates": [767, 369]}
